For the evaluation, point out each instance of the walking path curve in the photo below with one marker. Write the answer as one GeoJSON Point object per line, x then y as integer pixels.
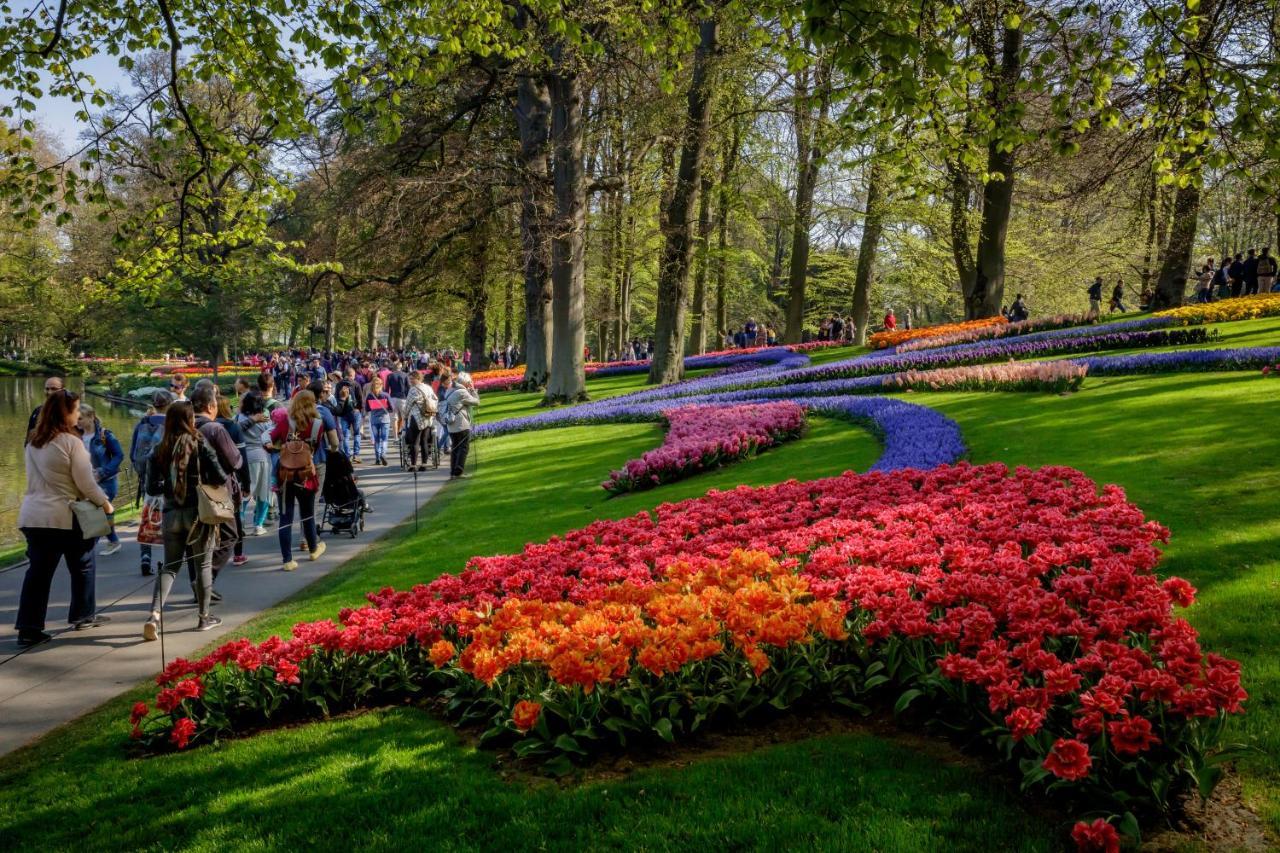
{"type": "Point", "coordinates": [46, 686]}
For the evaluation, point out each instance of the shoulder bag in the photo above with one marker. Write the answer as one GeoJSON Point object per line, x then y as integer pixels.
{"type": "Point", "coordinates": [215, 503]}
{"type": "Point", "coordinates": [91, 518]}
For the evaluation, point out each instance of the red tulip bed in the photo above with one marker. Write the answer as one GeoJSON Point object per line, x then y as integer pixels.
{"type": "Point", "coordinates": [704, 437]}
{"type": "Point", "coordinates": [1020, 609]}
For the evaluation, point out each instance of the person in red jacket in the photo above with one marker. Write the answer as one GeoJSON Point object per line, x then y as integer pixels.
{"type": "Point", "coordinates": [890, 322]}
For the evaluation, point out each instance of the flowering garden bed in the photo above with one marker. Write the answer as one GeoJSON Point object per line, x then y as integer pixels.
{"type": "Point", "coordinates": [1019, 608]}
{"type": "Point", "coordinates": [703, 437]}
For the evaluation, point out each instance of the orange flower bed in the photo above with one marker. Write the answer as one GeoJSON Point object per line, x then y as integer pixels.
{"type": "Point", "coordinates": [748, 601]}
{"type": "Point", "coordinates": [882, 340]}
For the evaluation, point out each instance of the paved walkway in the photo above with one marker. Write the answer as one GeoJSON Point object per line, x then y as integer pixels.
{"type": "Point", "coordinates": [46, 686]}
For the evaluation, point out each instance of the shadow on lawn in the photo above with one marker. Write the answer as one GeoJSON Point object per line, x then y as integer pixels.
{"type": "Point", "coordinates": [377, 779]}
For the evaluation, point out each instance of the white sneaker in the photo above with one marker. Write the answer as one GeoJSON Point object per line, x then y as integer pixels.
{"type": "Point", "coordinates": [319, 551]}
{"type": "Point", "coordinates": [259, 531]}
{"type": "Point", "coordinates": [108, 549]}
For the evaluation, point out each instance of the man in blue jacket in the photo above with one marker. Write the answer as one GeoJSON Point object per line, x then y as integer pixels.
{"type": "Point", "coordinates": [146, 437]}
{"type": "Point", "coordinates": [106, 455]}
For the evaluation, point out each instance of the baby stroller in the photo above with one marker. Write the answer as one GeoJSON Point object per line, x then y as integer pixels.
{"type": "Point", "coordinates": [344, 504]}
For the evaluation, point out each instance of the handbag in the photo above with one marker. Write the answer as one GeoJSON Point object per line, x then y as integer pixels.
{"type": "Point", "coordinates": [91, 518]}
{"type": "Point", "coordinates": [150, 531]}
{"type": "Point", "coordinates": [215, 504]}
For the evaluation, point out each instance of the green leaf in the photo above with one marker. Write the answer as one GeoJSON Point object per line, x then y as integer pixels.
{"type": "Point", "coordinates": [663, 728]}
{"type": "Point", "coordinates": [907, 697]}
{"type": "Point", "coordinates": [566, 743]}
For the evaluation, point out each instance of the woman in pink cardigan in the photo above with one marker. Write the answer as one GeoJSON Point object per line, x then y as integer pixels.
{"type": "Point", "coordinates": [58, 472]}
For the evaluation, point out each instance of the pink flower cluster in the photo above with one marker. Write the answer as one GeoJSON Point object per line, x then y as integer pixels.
{"type": "Point", "coordinates": [702, 437]}
{"type": "Point", "coordinates": [1057, 376]}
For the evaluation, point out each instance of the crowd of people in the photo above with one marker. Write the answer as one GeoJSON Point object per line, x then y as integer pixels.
{"type": "Point", "coordinates": [214, 469]}
{"type": "Point", "coordinates": [1242, 275]}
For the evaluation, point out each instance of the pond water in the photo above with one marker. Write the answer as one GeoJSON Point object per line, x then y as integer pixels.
{"type": "Point", "coordinates": [17, 398]}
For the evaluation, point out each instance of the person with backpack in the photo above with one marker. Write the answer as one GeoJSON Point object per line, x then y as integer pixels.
{"type": "Point", "coordinates": [182, 463]}
{"type": "Point", "coordinates": [146, 438]}
{"type": "Point", "coordinates": [1266, 270]}
{"type": "Point", "coordinates": [455, 413]}
{"type": "Point", "coordinates": [299, 437]}
{"type": "Point", "coordinates": [106, 455]}
{"type": "Point", "coordinates": [420, 412]}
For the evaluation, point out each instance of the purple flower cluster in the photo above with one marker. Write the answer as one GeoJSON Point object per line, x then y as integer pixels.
{"type": "Point", "coordinates": [701, 437]}
{"type": "Point", "coordinates": [913, 436]}
{"type": "Point", "coordinates": [1244, 358]}
{"type": "Point", "coordinates": [713, 361]}
{"type": "Point", "coordinates": [1023, 346]}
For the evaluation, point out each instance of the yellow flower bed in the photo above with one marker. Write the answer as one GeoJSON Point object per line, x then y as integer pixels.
{"type": "Point", "coordinates": [1240, 308]}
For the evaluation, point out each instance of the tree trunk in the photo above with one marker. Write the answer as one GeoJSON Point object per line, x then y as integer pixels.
{"type": "Point", "coordinates": [533, 113]}
{"type": "Point", "coordinates": [508, 308]}
{"type": "Point", "coordinates": [372, 332]}
{"type": "Point", "coordinates": [985, 299]}
{"type": "Point", "coordinates": [1171, 284]}
{"type": "Point", "coordinates": [727, 166]}
{"type": "Point", "coordinates": [667, 364]}
{"type": "Point", "coordinates": [961, 247]}
{"type": "Point", "coordinates": [477, 307]}
{"type": "Point", "coordinates": [1151, 234]}
{"type": "Point", "coordinates": [567, 382]}
{"type": "Point", "coordinates": [619, 330]}
{"type": "Point", "coordinates": [872, 228]}
{"type": "Point", "coordinates": [808, 153]}
{"type": "Point", "coordinates": [329, 318]}
{"type": "Point", "coordinates": [698, 329]}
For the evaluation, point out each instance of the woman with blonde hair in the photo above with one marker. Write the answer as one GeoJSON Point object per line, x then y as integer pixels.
{"type": "Point", "coordinates": [297, 437]}
{"type": "Point", "coordinates": [59, 472]}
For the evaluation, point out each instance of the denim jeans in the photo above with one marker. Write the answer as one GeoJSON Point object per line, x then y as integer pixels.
{"type": "Point", "coordinates": [46, 547]}
{"type": "Point", "coordinates": [349, 425]}
{"type": "Point", "coordinates": [305, 499]}
{"type": "Point", "coordinates": [185, 541]}
{"type": "Point", "coordinates": [378, 428]}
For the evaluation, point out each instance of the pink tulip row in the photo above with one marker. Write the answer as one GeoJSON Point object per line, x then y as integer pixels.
{"type": "Point", "coordinates": [1057, 376]}
{"type": "Point", "coordinates": [701, 437]}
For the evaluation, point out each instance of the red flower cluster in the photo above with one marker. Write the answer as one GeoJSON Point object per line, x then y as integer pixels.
{"type": "Point", "coordinates": [1096, 837]}
{"type": "Point", "coordinates": [1032, 588]}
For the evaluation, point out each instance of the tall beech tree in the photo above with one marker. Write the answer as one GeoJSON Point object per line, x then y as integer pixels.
{"type": "Point", "coordinates": [667, 364]}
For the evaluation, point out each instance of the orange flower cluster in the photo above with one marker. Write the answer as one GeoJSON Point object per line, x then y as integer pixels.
{"type": "Point", "coordinates": [693, 613]}
{"type": "Point", "coordinates": [881, 340]}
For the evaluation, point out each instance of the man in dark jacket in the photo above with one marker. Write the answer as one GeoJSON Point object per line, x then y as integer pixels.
{"type": "Point", "coordinates": [204, 400]}
{"type": "Point", "coordinates": [1095, 297]}
{"type": "Point", "coordinates": [1250, 274]}
{"type": "Point", "coordinates": [1235, 273]}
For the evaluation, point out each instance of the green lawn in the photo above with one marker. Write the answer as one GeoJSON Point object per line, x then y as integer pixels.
{"type": "Point", "coordinates": [1198, 452]}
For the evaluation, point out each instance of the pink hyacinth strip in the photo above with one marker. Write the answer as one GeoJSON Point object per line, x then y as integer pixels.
{"type": "Point", "coordinates": [702, 437]}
